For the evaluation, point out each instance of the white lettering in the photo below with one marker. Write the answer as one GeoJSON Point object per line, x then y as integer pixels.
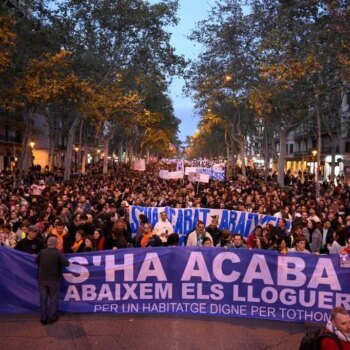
{"type": "Point", "coordinates": [217, 267]}
{"type": "Point", "coordinates": [196, 259]}
{"type": "Point", "coordinates": [151, 259]}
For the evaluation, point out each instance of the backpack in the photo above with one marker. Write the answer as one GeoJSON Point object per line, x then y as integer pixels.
{"type": "Point", "coordinates": [312, 340]}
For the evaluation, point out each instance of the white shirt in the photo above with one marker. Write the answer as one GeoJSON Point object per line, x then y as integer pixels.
{"type": "Point", "coordinates": [294, 250]}
{"type": "Point", "coordinates": [335, 248]}
{"type": "Point", "coordinates": [163, 227]}
{"type": "Point", "coordinates": [192, 240]}
{"type": "Point", "coordinates": [37, 189]}
{"type": "Point", "coordinates": [314, 218]}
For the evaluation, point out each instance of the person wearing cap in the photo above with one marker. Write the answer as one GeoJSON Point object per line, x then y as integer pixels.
{"type": "Point", "coordinates": [50, 262]}
{"type": "Point", "coordinates": [31, 243]}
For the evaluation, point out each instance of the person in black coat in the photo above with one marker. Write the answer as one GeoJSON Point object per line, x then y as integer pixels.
{"type": "Point", "coordinates": [50, 262]}
{"type": "Point", "coordinates": [30, 244]}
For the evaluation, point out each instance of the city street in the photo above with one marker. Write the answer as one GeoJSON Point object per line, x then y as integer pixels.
{"type": "Point", "coordinates": [91, 331]}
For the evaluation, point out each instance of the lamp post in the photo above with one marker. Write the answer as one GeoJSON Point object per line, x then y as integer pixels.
{"type": "Point", "coordinates": [32, 145]}
{"type": "Point", "coordinates": [76, 149]}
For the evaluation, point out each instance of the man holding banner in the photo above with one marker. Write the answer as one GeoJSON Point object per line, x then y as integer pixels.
{"type": "Point", "coordinates": [50, 262]}
{"type": "Point", "coordinates": [163, 228]}
{"type": "Point", "coordinates": [195, 238]}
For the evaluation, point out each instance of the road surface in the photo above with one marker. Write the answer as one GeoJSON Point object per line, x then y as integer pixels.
{"type": "Point", "coordinates": [106, 331]}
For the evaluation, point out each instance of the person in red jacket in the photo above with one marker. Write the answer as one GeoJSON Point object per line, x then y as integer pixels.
{"type": "Point", "coordinates": [339, 324]}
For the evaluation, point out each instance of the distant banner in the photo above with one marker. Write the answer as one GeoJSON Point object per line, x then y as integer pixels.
{"type": "Point", "coordinates": [184, 219]}
{"type": "Point", "coordinates": [140, 165]}
{"type": "Point", "coordinates": [171, 175]}
{"type": "Point", "coordinates": [180, 165]}
{"type": "Point", "coordinates": [196, 177]}
{"type": "Point", "coordinates": [203, 281]}
{"type": "Point", "coordinates": [216, 173]}
{"type": "Point", "coordinates": [202, 163]}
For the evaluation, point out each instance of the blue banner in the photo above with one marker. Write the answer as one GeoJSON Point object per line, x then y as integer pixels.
{"type": "Point", "coordinates": [194, 281]}
{"type": "Point", "coordinates": [184, 219]}
{"type": "Point", "coordinates": [214, 174]}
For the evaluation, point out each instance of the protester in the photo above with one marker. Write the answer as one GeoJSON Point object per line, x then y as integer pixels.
{"type": "Point", "coordinates": [195, 238]}
{"type": "Point", "coordinates": [237, 240]}
{"type": "Point", "coordinates": [339, 325]}
{"type": "Point", "coordinates": [78, 244]}
{"type": "Point", "coordinates": [98, 240]}
{"type": "Point", "coordinates": [225, 240]}
{"type": "Point", "coordinates": [63, 237]}
{"type": "Point", "coordinates": [117, 240]}
{"type": "Point", "coordinates": [299, 247]}
{"type": "Point", "coordinates": [30, 244]}
{"type": "Point", "coordinates": [173, 240]}
{"type": "Point", "coordinates": [163, 228]}
{"type": "Point", "coordinates": [254, 236]}
{"type": "Point", "coordinates": [50, 262]}
{"type": "Point", "coordinates": [313, 236]}
{"type": "Point", "coordinates": [346, 250]}
{"type": "Point", "coordinates": [338, 243]}
{"type": "Point", "coordinates": [207, 242]}
{"type": "Point", "coordinates": [94, 203]}
{"type": "Point", "coordinates": [88, 244]}
{"type": "Point", "coordinates": [147, 236]}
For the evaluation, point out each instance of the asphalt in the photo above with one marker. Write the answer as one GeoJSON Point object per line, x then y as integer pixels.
{"type": "Point", "coordinates": [106, 331]}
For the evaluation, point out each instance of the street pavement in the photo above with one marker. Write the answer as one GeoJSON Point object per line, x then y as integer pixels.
{"type": "Point", "coordinates": [106, 331]}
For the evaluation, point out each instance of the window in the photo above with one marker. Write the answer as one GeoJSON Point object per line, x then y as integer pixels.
{"type": "Point", "coordinates": [291, 148]}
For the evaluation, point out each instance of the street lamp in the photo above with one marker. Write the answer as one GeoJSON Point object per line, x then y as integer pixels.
{"type": "Point", "coordinates": [76, 149]}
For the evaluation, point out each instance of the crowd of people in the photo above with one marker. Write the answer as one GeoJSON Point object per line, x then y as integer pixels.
{"type": "Point", "coordinates": [44, 216]}
{"type": "Point", "coordinates": [91, 212]}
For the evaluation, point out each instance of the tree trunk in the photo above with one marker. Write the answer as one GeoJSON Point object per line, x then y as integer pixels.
{"type": "Point", "coordinates": [84, 150]}
{"type": "Point", "coordinates": [282, 156]}
{"type": "Point", "coordinates": [227, 143]}
{"type": "Point", "coordinates": [52, 143]}
{"type": "Point", "coordinates": [266, 154]}
{"type": "Point", "coordinates": [80, 142]}
{"type": "Point", "coordinates": [26, 150]}
{"type": "Point", "coordinates": [70, 140]}
{"type": "Point", "coordinates": [319, 147]}
{"type": "Point", "coordinates": [242, 154]}
{"type": "Point", "coordinates": [105, 155]}
{"type": "Point", "coordinates": [228, 156]}
{"type": "Point", "coordinates": [333, 151]}
{"type": "Point", "coordinates": [120, 153]}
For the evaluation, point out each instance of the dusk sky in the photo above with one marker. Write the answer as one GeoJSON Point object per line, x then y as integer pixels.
{"type": "Point", "coordinates": [190, 12]}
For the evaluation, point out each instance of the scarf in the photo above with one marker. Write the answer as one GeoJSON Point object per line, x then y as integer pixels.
{"type": "Point", "coordinates": [343, 337]}
{"type": "Point", "coordinates": [76, 245]}
{"type": "Point", "coordinates": [60, 239]}
{"type": "Point", "coordinates": [145, 239]}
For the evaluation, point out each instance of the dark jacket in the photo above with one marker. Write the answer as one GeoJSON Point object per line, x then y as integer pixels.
{"type": "Point", "coordinates": [50, 262]}
{"type": "Point", "coordinates": [31, 246]}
